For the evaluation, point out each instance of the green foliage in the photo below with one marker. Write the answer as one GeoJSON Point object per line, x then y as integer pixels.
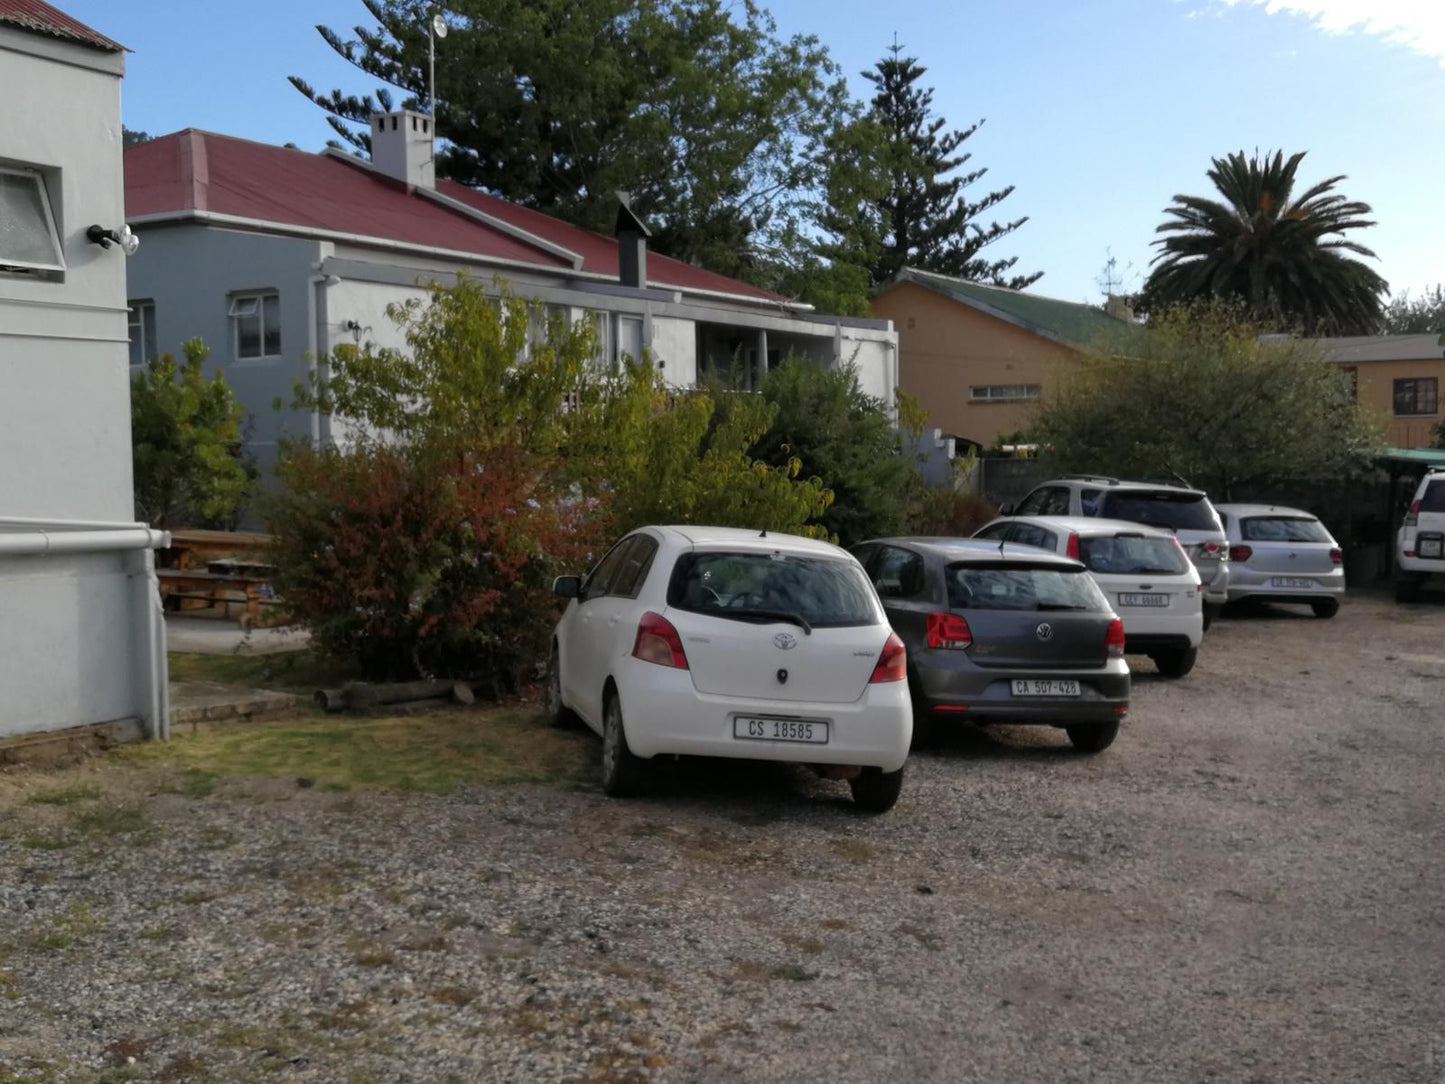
{"type": "Point", "coordinates": [698, 107]}
{"type": "Point", "coordinates": [1283, 256]}
{"type": "Point", "coordinates": [844, 437]}
{"type": "Point", "coordinates": [894, 196]}
{"type": "Point", "coordinates": [1406, 315]}
{"type": "Point", "coordinates": [483, 460]}
{"type": "Point", "coordinates": [949, 512]}
{"type": "Point", "coordinates": [186, 442]}
{"type": "Point", "coordinates": [1199, 395]}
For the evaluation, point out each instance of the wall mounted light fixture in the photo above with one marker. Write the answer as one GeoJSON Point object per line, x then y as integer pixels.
{"type": "Point", "coordinates": [126, 238]}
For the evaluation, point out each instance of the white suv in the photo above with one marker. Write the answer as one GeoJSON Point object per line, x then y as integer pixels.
{"type": "Point", "coordinates": [1185, 513]}
{"type": "Point", "coordinates": [1143, 573]}
{"type": "Point", "coordinates": [1420, 541]}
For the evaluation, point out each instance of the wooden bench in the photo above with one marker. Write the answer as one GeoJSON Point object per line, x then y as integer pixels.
{"type": "Point", "coordinates": [177, 585]}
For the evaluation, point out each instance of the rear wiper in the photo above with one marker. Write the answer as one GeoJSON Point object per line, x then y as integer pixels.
{"type": "Point", "coordinates": [776, 615]}
{"type": "Point", "coordinates": [1058, 606]}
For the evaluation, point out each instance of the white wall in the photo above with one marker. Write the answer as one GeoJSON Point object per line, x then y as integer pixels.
{"type": "Point", "coordinates": [674, 342]}
{"type": "Point", "coordinates": [873, 359]}
{"type": "Point", "coordinates": [74, 641]}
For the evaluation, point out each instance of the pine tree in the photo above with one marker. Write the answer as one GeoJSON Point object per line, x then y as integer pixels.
{"type": "Point", "coordinates": [928, 223]}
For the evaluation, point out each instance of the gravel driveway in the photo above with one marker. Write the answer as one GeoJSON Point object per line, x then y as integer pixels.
{"type": "Point", "coordinates": [1247, 887]}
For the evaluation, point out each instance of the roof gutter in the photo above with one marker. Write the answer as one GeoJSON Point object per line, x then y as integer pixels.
{"type": "Point", "coordinates": [225, 221]}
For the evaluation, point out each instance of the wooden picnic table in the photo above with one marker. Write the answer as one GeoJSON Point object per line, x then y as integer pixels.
{"type": "Point", "coordinates": [178, 584]}
{"type": "Point", "coordinates": [186, 544]}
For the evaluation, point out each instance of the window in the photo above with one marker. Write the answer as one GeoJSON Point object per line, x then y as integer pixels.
{"type": "Point", "coordinates": [1031, 534]}
{"type": "Point", "coordinates": [257, 321]}
{"type": "Point", "coordinates": [604, 359]}
{"type": "Point", "coordinates": [599, 580]}
{"type": "Point", "coordinates": [629, 338]}
{"type": "Point", "coordinates": [1133, 555]}
{"type": "Point", "coordinates": [1033, 504]}
{"type": "Point", "coordinates": [1089, 501]}
{"type": "Point", "coordinates": [897, 573]}
{"type": "Point", "coordinates": [757, 587]}
{"type": "Point", "coordinates": [1003, 393]}
{"type": "Point", "coordinates": [995, 533]}
{"type": "Point", "coordinates": [28, 241]}
{"type": "Point", "coordinates": [142, 332]}
{"type": "Point", "coordinates": [1009, 587]}
{"type": "Point", "coordinates": [1166, 509]}
{"type": "Point", "coordinates": [1417, 396]}
{"type": "Point", "coordinates": [635, 565]}
{"type": "Point", "coordinates": [1283, 529]}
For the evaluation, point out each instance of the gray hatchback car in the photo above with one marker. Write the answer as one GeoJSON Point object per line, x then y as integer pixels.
{"type": "Point", "coordinates": [1002, 633]}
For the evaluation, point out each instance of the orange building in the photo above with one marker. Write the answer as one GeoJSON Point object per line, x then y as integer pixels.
{"type": "Point", "coordinates": [979, 358]}
{"type": "Point", "coordinates": [1399, 377]}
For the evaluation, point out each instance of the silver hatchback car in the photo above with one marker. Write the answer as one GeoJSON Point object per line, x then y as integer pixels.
{"type": "Point", "coordinates": [1279, 554]}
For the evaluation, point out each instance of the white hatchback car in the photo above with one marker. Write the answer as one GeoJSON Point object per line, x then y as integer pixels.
{"type": "Point", "coordinates": [719, 642]}
{"type": "Point", "coordinates": [1279, 554]}
{"type": "Point", "coordinates": [1143, 572]}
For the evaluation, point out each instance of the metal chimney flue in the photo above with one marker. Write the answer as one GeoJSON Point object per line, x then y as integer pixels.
{"type": "Point", "coordinates": [632, 234]}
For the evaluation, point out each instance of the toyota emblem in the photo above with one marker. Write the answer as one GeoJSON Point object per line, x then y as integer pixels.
{"type": "Point", "coordinates": [1045, 631]}
{"type": "Point", "coordinates": [785, 641]}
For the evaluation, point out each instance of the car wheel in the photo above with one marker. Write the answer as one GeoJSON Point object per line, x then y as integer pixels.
{"type": "Point", "coordinates": [623, 774]}
{"type": "Point", "coordinates": [557, 713]}
{"type": "Point", "coordinates": [1407, 588]}
{"type": "Point", "coordinates": [1325, 608]}
{"type": "Point", "coordinates": [876, 791]}
{"type": "Point", "coordinates": [1176, 662]}
{"type": "Point", "coordinates": [1093, 737]}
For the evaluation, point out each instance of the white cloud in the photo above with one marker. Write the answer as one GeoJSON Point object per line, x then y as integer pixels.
{"type": "Point", "coordinates": [1418, 25]}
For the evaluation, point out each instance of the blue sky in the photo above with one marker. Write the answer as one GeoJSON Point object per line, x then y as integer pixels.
{"type": "Point", "coordinates": [1097, 110]}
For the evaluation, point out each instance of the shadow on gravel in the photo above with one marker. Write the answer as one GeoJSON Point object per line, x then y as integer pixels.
{"type": "Point", "coordinates": [1024, 743]}
{"type": "Point", "coordinates": [1264, 611]}
{"type": "Point", "coordinates": [746, 792]}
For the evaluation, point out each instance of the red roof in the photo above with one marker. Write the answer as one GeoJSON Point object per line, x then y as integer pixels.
{"type": "Point", "coordinates": [40, 17]}
{"type": "Point", "coordinates": [192, 170]}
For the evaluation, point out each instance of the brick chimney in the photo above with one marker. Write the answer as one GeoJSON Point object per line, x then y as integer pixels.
{"type": "Point", "coordinates": [401, 147]}
{"type": "Point", "coordinates": [632, 235]}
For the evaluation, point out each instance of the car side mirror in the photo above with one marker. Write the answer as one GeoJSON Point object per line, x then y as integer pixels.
{"type": "Point", "coordinates": [1006, 509]}
{"type": "Point", "coordinates": [567, 586]}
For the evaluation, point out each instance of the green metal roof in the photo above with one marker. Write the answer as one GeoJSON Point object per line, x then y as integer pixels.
{"type": "Point", "coordinates": [1428, 456]}
{"type": "Point", "coordinates": [1066, 321]}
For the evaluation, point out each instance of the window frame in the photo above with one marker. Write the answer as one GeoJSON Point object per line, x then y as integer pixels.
{"type": "Point", "coordinates": [875, 567]}
{"type": "Point", "coordinates": [1417, 384]}
{"type": "Point", "coordinates": [141, 314]}
{"type": "Point", "coordinates": [258, 298]}
{"type": "Point", "coordinates": [591, 587]}
{"type": "Point", "coordinates": [28, 267]}
{"type": "Point", "coordinates": [984, 393]}
{"type": "Point", "coordinates": [637, 563]}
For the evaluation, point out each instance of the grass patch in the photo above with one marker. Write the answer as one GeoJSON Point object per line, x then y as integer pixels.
{"type": "Point", "coordinates": [287, 671]}
{"type": "Point", "coordinates": [793, 973]}
{"type": "Point", "coordinates": [191, 783]}
{"type": "Point", "coordinates": [80, 792]}
{"type": "Point", "coordinates": [432, 753]}
{"type": "Point", "coordinates": [48, 841]}
{"type": "Point", "coordinates": [110, 820]}
{"type": "Point", "coordinates": [64, 930]}
{"type": "Point", "coordinates": [856, 851]}
{"type": "Point", "coordinates": [367, 953]}
{"type": "Point", "coordinates": [811, 945]}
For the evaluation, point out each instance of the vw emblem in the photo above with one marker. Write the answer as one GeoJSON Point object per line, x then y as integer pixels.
{"type": "Point", "coordinates": [784, 641]}
{"type": "Point", "coordinates": [1045, 631]}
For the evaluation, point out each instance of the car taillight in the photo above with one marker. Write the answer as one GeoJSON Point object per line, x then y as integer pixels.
{"type": "Point", "coordinates": [1073, 548]}
{"type": "Point", "coordinates": [657, 641]}
{"type": "Point", "coordinates": [1212, 548]}
{"type": "Point", "coordinates": [949, 630]}
{"type": "Point", "coordinates": [1114, 638]}
{"type": "Point", "coordinates": [1240, 553]}
{"type": "Point", "coordinates": [892, 664]}
{"type": "Point", "coordinates": [1337, 556]}
{"type": "Point", "coordinates": [1412, 517]}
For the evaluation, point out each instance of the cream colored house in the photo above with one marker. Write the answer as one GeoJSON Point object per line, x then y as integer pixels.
{"type": "Point", "coordinates": [979, 358]}
{"type": "Point", "coordinates": [1400, 377]}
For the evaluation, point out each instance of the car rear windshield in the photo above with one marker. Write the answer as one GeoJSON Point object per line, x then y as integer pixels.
{"type": "Point", "coordinates": [975, 586]}
{"type": "Point", "coordinates": [1283, 529]}
{"type": "Point", "coordinates": [1133, 555]}
{"type": "Point", "coordinates": [824, 592]}
{"type": "Point", "coordinates": [1172, 511]}
{"type": "Point", "coordinates": [1433, 499]}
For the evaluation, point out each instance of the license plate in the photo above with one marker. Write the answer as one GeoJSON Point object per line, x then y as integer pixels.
{"type": "Point", "coordinates": [1430, 547]}
{"type": "Point", "coordinates": [1292, 581]}
{"type": "Point", "coordinates": [1143, 600]}
{"type": "Point", "coordinates": [806, 731]}
{"type": "Point", "coordinates": [1055, 687]}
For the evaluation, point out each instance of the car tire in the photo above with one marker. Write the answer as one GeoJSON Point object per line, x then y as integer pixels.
{"type": "Point", "coordinates": [1407, 588]}
{"type": "Point", "coordinates": [876, 791]}
{"type": "Point", "coordinates": [1176, 661]}
{"type": "Point", "coordinates": [557, 714]}
{"type": "Point", "coordinates": [1325, 608]}
{"type": "Point", "coordinates": [624, 775]}
{"type": "Point", "coordinates": [1093, 737]}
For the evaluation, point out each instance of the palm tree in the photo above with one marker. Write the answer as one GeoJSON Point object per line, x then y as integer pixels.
{"type": "Point", "coordinates": [1285, 259]}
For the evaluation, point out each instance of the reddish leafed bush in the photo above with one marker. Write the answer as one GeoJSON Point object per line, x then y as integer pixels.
{"type": "Point", "coordinates": [435, 564]}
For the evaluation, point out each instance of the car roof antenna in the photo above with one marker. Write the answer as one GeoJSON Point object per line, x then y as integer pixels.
{"type": "Point", "coordinates": [763, 533]}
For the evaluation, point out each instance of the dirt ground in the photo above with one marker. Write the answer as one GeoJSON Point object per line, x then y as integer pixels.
{"type": "Point", "coordinates": [1247, 887]}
